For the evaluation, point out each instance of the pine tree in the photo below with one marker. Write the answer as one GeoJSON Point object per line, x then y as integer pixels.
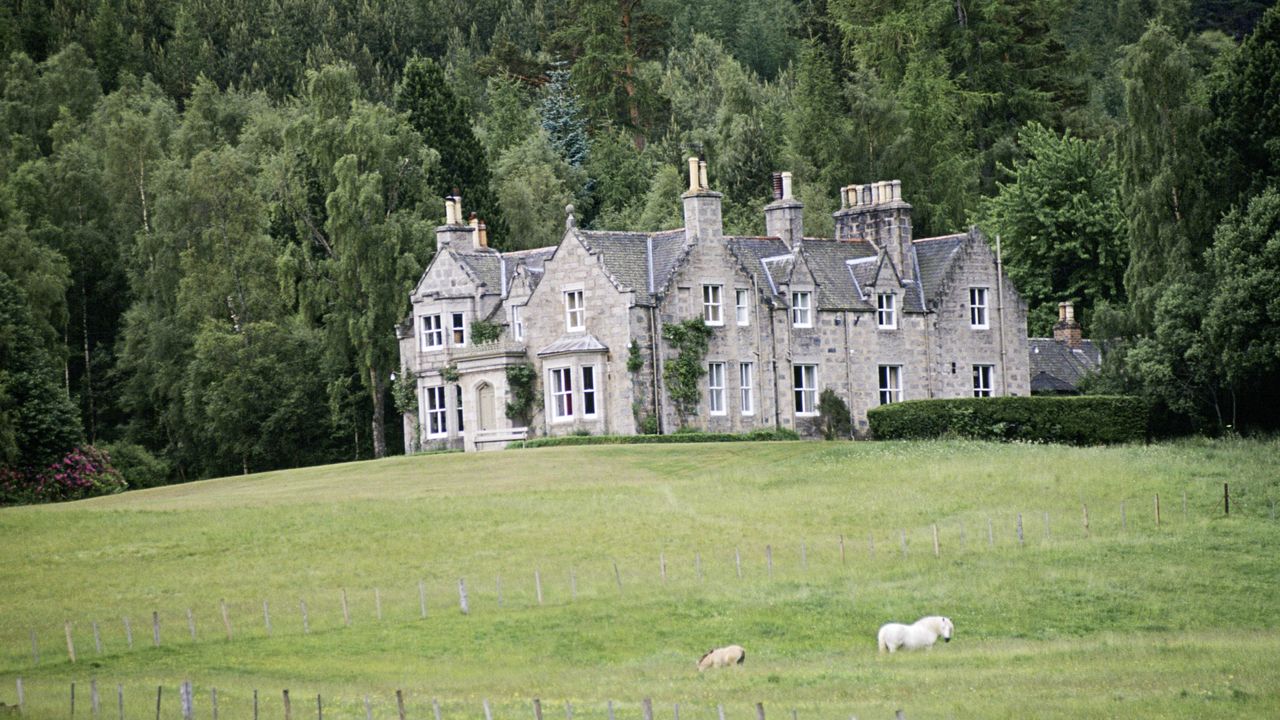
{"type": "Point", "coordinates": [563, 119]}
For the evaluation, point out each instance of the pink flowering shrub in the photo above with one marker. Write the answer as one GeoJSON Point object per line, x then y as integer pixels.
{"type": "Point", "coordinates": [84, 472]}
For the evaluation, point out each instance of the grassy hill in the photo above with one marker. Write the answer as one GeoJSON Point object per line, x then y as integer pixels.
{"type": "Point", "coordinates": [648, 555]}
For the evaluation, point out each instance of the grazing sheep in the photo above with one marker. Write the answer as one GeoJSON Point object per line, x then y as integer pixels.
{"type": "Point", "coordinates": [722, 657]}
{"type": "Point", "coordinates": [922, 633]}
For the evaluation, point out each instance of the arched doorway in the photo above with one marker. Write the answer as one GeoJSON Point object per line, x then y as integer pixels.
{"type": "Point", "coordinates": [484, 407]}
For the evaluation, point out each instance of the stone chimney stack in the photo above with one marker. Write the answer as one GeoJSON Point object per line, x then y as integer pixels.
{"type": "Point", "coordinates": [1067, 329]}
{"type": "Point", "coordinates": [784, 217]}
{"type": "Point", "coordinates": [454, 231]}
{"type": "Point", "coordinates": [702, 216]}
{"type": "Point", "coordinates": [876, 213]}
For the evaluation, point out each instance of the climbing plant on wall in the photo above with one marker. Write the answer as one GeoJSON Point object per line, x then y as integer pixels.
{"type": "Point", "coordinates": [681, 374]}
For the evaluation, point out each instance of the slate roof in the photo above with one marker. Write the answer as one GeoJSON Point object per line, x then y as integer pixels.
{"type": "Point", "coordinates": [484, 266]}
{"type": "Point", "coordinates": [1060, 364]}
{"type": "Point", "coordinates": [576, 343]}
{"type": "Point", "coordinates": [638, 261]}
{"type": "Point", "coordinates": [934, 257]}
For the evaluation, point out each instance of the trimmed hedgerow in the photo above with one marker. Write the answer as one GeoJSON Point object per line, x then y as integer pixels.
{"type": "Point", "coordinates": [681, 437]}
{"type": "Point", "coordinates": [1082, 420]}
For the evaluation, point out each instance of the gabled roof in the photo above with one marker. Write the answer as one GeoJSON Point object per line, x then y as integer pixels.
{"type": "Point", "coordinates": [575, 343]}
{"type": "Point", "coordinates": [935, 257]}
{"type": "Point", "coordinates": [640, 262]}
{"type": "Point", "coordinates": [1059, 361]}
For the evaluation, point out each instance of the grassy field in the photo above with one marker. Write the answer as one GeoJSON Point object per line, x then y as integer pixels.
{"type": "Point", "coordinates": [648, 555]}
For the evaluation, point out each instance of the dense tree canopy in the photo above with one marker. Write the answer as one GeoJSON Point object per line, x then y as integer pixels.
{"type": "Point", "coordinates": [211, 213]}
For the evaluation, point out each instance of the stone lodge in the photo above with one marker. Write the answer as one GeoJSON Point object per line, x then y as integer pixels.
{"type": "Point", "coordinates": [873, 314]}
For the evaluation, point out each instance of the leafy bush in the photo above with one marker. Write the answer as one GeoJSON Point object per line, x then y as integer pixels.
{"type": "Point", "coordinates": [484, 332]}
{"type": "Point", "coordinates": [682, 436]}
{"type": "Point", "coordinates": [138, 467]}
{"type": "Point", "coordinates": [834, 414]}
{"type": "Point", "coordinates": [1085, 420]}
{"type": "Point", "coordinates": [83, 472]}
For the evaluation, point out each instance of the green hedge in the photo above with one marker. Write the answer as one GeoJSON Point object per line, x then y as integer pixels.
{"type": "Point", "coordinates": [681, 437]}
{"type": "Point", "coordinates": [1081, 420]}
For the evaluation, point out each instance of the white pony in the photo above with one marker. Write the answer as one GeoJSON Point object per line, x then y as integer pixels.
{"type": "Point", "coordinates": [922, 633]}
{"type": "Point", "coordinates": [722, 657]}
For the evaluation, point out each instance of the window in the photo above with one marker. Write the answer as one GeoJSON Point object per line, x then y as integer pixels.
{"type": "Point", "coordinates": [747, 402]}
{"type": "Point", "coordinates": [432, 334]}
{"type": "Point", "coordinates": [437, 413]}
{"type": "Point", "coordinates": [800, 311]}
{"type": "Point", "coordinates": [715, 388]}
{"type": "Point", "coordinates": [978, 308]}
{"type": "Point", "coordinates": [573, 310]}
{"type": "Point", "coordinates": [588, 391]}
{"type": "Point", "coordinates": [743, 302]}
{"type": "Point", "coordinates": [561, 393]}
{"type": "Point", "coordinates": [806, 383]}
{"type": "Point", "coordinates": [890, 384]}
{"type": "Point", "coordinates": [982, 380]}
{"type": "Point", "coordinates": [886, 311]}
{"type": "Point", "coordinates": [712, 311]}
{"type": "Point", "coordinates": [459, 329]}
{"type": "Point", "coordinates": [517, 322]}
{"type": "Point", "coordinates": [458, 396]}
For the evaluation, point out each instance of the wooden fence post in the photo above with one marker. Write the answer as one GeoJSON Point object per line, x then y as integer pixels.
{"type": "Point", "coordinates": [226, 619]}
{"type": "Point", "coordinates": [804, 556]}
{"type": "Point", "coordinates": [73, 699]}
{"type": "Point", "coordinates": [213, 702]}
{"type": "Point", "coordinates": [255, 704]}
{"type": "Point", "coordinates": [400, 703]}
{"type": "Point", "coordinates": [720, 711]}
{"type": "Point", "coordinates": [319, 708]}
{"type": "Point", "coordinates": [573, 584]}
{"type": "Point", "coordinates": [768, 557]}
{"type": "Point", "coordinates": [159, 692]}
{"type": "Point", "coordinates": [377, 603]}
{"type": "Point", "coordinates": [1226, 499]}
{"type": "Point", "coordinates": [1124, 517]}
{"type": "Point", "coordinates": [737, 562]}
{"type": "Point", "coordinates": [120, 699]}
{"type": "Point", "coordinates": [97, 638]}
{"type": "Point", "coordinates": [936, 551]}
{"type": "Point", "coordinates": [617, 576]}
{"type": "Point", "coordinates": [435, 707]}
{"type": "Point", "coordinates": [155, 628]}
{"type": "Point", "coordinates": [22, 698]}
{"type": "Point", "coordinates": [288, 709]}
{"type": "Point", "coordinates": [71, 646]}
{"type": "Point", "coordinates": [662, 566]}
{"type": "Point", "coordinates": [462, 596]}
{"type": "Point", "coordinates": [346, 614]}
{"type": "Point", "coordinates": [368, 709]}
{"type": "Point", "coordinates": [93, 696]}
{"type": "Point", "coordinates": [991, 536]}
{"type": "Point", "coordinates": [647, 705]}
{"type": "Point", "coordinates": [842, 549]}
{"type": "Point", "coordinates": [537, 709]}
{"type": "Point", "coordinates": [488, 713]}
{"type": "Point", "coordinates": [266, 616]}
{"type": "Point", "coordinates": [537, 585]}
{"type": "Point", "coordinates": [759, 711]}
{"type": "Point", "coordinates": [184, 695]}
{"type": "Point", "coordinates": [422, 598]}
{"type": "Point", "coordinates": [1086, 518]}
{"type": "Point", "coordinates": [35, 649]}
{"type": "Point", "coordinates": [1157, 509]}
{"type": "Point", "coordinates": [1020, 540]}
{"type": "Point", "coordinates": [609, 707]}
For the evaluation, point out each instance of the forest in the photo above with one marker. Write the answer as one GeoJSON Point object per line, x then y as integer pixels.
{"type": "Point", "coordinates": [211, 213]}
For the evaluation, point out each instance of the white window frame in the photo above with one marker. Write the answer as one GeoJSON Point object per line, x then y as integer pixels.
{"type": "Point", "coordinates": [804, 385]}
{"type": "Point", "coordinates": [983, 376]}
{"type": "Point", "coordinates": [802, 309]}
{"type": "Point", "coordinates": [886, 311]}
{"type": "Point", "coordinates": [430, 332]}
{"type": "Point", "coordinates": [560, 393]}
{"type": "Point", "coordinates": [457, 398]}
{"type": "Point", "coordinates": [713, 304]}
{"type": "Point", "coordinates": [715, 389]}
{"type": "Point", "coordinates": [590, 395]}
{"type": "Point", "coordinates": [458, 329]}
{"type": "Point", "coordinates": [746, 396]}
{"type": "Point", "coordinates": [517, 322]}
{"type": "Point", "coordinates": [979, 308]}
{"type": "Point", "coordinates": [437, 411]}
{"type": "Point", "coordinates": [742, 303]}
{"type": "Point", "coordinates": [575, 314]}
{"type": "Point", "coordinates": [890, 383]}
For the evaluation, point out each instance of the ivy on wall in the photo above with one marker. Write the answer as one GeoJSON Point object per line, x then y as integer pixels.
{"type": "Point", "coordinates": [681, 374]}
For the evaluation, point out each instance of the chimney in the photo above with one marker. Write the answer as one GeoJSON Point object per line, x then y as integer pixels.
{"type": "Point", "coordinates": [784, 217]}
{"type": "Point", "coordinates": [1067, 329]}
{"type": "Point", "coordinates": [876, 213]}
{"type": "Point", "coordinates": [454, 231]}
{"type": "Point", "coordinates": [702, 219]}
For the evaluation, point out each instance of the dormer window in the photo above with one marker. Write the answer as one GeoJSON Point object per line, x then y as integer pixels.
{"type": "Point", "coordinates": [801, 309]}
{"type": "Point", "coordinates": [886, 311]}
{"type": "Point", "coordinates": [713, 304]}
{"type": "Point", "coordinates": [574, 313]}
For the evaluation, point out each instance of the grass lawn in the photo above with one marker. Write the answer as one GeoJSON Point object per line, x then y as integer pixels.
{"type": "Point", "coordinates": [644, 557]}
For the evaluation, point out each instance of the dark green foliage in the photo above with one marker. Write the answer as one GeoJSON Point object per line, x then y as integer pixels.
{"type": "Point", "coordinates": [1060, 222]}
{"type": "Point", "coordinates": [484, 332]}
{"type": "Point", "coordinates": [1085, 420]}
{"type": "Point", "coordinates": [444, 120]}
{"type": "Point", "coordinates": [833, 416]}
{"type": "Point", "coordinates": [1245, 135]}
{"type": "Point", "coordinates": [523, 392]}
{"type": "Point", "coordinates": [635, 360]}
{"type": "Point", "coordinates": [563, 120]}
{"type": "Point", "coordinates": [683, 373]}
{"type": "Point", "coordinates": [139, 467]}
{"type": "Point", "coordinates": [683, 436]}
